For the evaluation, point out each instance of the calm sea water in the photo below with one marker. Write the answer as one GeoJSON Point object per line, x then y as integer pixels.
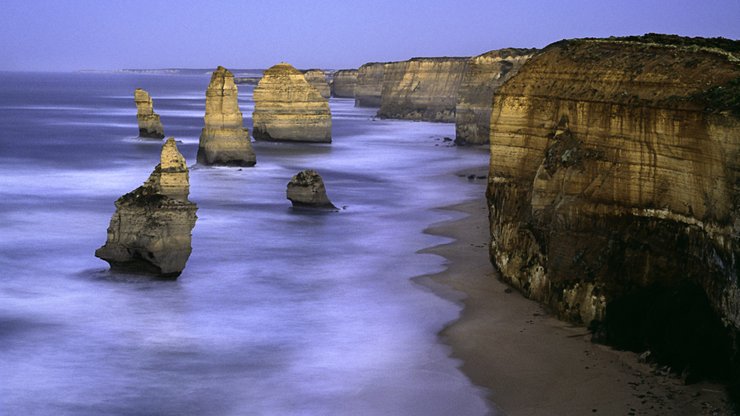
{"type": "Point", "coordinates": [278, 312]}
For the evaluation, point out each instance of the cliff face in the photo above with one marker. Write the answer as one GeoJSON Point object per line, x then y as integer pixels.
{"type": "Point", "coordinates": [317, 79]}
{"type": "Point", "coordinates": [343, 85]}
{"type": "Point", "coordinates": [288, 108]}
{"type": "Point", "coordinates": [612, 185]}
{"type": "Point", "coordinates": [369, 84]}
{"type": "Point", "coordinates": [149, 124]}
{"type": "Point", "coordinates": [151, 228]}
{"type": "Point", "coordinates": [483, 75]}
{"type": "Point", "coordinates": [224, 140]}
{"type": "Point", "coordinates": [422, 89]}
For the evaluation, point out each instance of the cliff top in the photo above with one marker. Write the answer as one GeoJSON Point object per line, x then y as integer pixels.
{"type": "Point", "coordinates": [282, 68]}
{"type": "Point", "coordinates": [171, 159]}
{"type": "Point", "coordinates": [508, 52]}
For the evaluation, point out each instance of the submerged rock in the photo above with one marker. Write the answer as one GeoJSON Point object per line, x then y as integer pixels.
{"type": "Point", "coordinates": [614, 189]}
{"type": "Point", "coordinates": [151, 229]}
{"type": "Point", "coordinates": [288, 108]}
{"type": "Point", "coordinates": [317, 79]}
{"type": "Point", "coordinates": [344, 82]}
{"type": "Point", "coordinates": [306, 190]}
{"type": "Point", "coordinates": [483, 75]}
{"type": "Point", "coordinates": [224, 140]}
{"type": "Point", "coordinates": [149, 124]}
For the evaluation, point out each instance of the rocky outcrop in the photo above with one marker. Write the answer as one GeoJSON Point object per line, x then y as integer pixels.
{"type": "Point", "coordinates": [151, 228]}
{"type": "Point", "coordinates": [306, 190]}
{"type": "Point", "coordinates": [288, 108]}
{"type": "Point", "coordinates": [344, 82]}
{"type": "Point", "coordinates": [613, 187]}
{"type": "Point", "coordinates": [149, 124]}
{"type": "Point", "coordinates": [483, 75]}
{"type": "Point", "coordinates": [369, 84]}
{"type": "Point", "coordinates": [317, 79]}
{"type": "Point", "coordinates": [224, 140]}
{"type": "Point", "coordinates": [422, 89]}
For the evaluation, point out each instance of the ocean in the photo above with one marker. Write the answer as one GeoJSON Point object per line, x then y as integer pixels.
{"type": "Point", "coordinates": [278, 311]}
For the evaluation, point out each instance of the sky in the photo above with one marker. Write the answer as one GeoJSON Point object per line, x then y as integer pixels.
{"type": "Point", "coordinates": [69, 35]}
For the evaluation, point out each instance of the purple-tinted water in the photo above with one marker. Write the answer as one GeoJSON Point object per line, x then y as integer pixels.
{"type": "Point", "coordinates": [278, 312]}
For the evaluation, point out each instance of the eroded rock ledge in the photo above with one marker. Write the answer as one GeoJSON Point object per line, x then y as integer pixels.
{"type": "Point", "coordinates": [151, 229]}
{"type": "Point", "coordinates": [613, 192]}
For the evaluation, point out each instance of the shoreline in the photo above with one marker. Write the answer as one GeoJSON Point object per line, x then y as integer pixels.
{"type": "Point", "coordinates": [530, 362]}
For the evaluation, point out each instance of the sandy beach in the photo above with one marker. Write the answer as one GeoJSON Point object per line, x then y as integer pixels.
{"type": "Point", "coordinates": [530, 362]}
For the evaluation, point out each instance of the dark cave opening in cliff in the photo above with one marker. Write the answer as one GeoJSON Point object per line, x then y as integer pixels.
{"type": "Point", "coordinates": [680, 329]}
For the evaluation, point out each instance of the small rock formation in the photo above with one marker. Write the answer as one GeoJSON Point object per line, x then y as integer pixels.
{"type": "Point", "coordinates": [422, 89]}
{"type": "Point", "coordinates": [224, 140]}
{"type": "Point", "coordinates": [306, 190]}
{"type": "Point", "coordinates": [614, 190]}
{"type": "Point", "coordinates": [288, 108]}
{"type": "Point", "coordinates": [150, 126]}
{"type": "Point", "coordinates": [343, 85]}
{"type": "Point", "coordinates": [151, 228]}
{"type": "Point", "coordinates": [483, 75]}
{"type": "Point", "coordinates": [369, 84]}
{"type": "Point", "coordinates": [317, 79]}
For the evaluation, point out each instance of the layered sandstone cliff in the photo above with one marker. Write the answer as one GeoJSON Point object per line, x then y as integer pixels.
{"type": "Point", "coordinates": [149, 124]}
{"type": "Point", "coordinates": [613, 185]}
{"type": "Point", "coordinates": [483, 75]}
{"type": "Point", "coordinates": [151, 228]}
{"type": "Point", "coordinates": [288, 108]}
{"type": "Point", "coordinates": [317, 79]}
{"type": "Point", "coordinates": [344, 82]}
{"type": "Point", "coordinates": [369, 84]}
{"type": "Point", "coordinates": [422, 89]}
{"type": "Point", "coordinates": [224, 140]}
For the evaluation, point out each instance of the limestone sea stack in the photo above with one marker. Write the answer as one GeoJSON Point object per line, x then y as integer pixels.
{"type": "Point", "coordinates": [151, 229]}
{"type": "Point", "coordinates": [613, 190]}
{"type": "Point", "coordinates": [306, 190]}
{"type": "Point", "coordinates": [288, 108]}
{"type": "Point", "coordinates": [483, 75]}
{"type": "Point", "coordinates": [422, 89]}
{"type": "Point", "coordinates": [150, 126]}
{"type": "Point", "coordinates": [344, 82]}
{"type": "Point", "coordinates": [369, 84]}
{"type": "Point", "coordinates": [317, 79]}
{"type": "Point", "coordinates": [224, 140]}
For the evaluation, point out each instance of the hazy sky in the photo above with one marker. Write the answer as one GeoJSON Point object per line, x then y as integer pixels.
{"type": "Point", "coordinates": [98, 34]}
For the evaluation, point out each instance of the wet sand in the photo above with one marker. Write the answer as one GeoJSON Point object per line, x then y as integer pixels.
{"type": "Point", "coordinates": [530, 362]}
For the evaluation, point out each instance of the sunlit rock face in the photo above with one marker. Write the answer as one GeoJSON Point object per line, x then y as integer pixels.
{"type": "Point", "coordinates": [149, 124]}
{"type": "Point", "coordinates": [344, 82]}
{"type": "Point", "coordinates": [483, 75]}
{"type": "Point", "coordinates": [369, 84]}
{"type": "Point", "coordinates": [224, 140]}
{"type": "Point", "coordinates": [422, 89]}
{"type": "Point", "coordinates": [615, 171]}
{"type": "Point", "coordinates": [150, 231]}
{"type": "Point", "coordinates": [288, 108]}
{"type": "Point", "coordinates": [306, 190]}
{"type": "Point", "coordinates": [317, 79]}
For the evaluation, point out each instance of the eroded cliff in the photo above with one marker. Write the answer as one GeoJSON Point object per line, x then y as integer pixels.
{"type": "Point", "coordinates": [369, 84]}
{"type": "Point", "coordinates": [483, 75]}
{"type": "Point", "coordinates": [422, 89]}
{"type": "Point", "coordinates": [151, 228]}
{"type": "Point", "coordinates": [317, 79]}
{"type": "Point", "coordinates": [344, 82]}
{"type": "Point", "coordinates": [288, 108]}
{"type": "Point", "coordinates": [150, 125]}
{"type": "Point", "coordinates": [613, 190]}
{"type": "Point", "coordinates": [224, 140]}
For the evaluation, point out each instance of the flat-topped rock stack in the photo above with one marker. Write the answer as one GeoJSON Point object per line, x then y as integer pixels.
{"type": "Point", "coordinates": [369, 85]}
{"type": "Point", "coordinates": [317, 79]}
{"type": "Point", "coordinates": [344, 82]}
{"type": "Point", "coordinates": [483, 75]}
{"type": "Point", "coordinates": [150, 231]}
{"type": "Point", "coordinates": [288, 108]}
{"type": "Point", "coordinates": [150, 126]}
{"type": "Point", "coordinates": [224, 140]}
